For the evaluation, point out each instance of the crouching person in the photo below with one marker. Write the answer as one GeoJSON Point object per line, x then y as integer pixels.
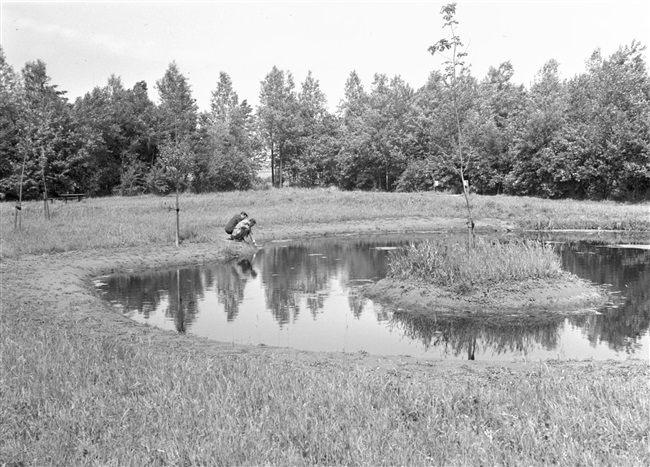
{"type": "Point", "coordinates": [232, 223]}
{"type": "Point", "coordinates": [243, 230]}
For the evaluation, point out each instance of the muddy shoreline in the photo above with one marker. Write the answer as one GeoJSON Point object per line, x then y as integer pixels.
{"type": "Point", "coordinates": [569, 295]}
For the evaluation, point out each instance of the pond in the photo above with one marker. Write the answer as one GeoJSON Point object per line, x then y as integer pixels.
{"type": "Point", "coordinates": [306, 295]}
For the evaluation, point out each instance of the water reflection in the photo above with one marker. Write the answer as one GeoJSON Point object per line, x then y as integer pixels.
{"type": "Point", "coordinates": [229, 284]}
{"type": "Point", "coordinates": [628, 273]}
{"type": "Point", "coordinates": [305, 271]}
{"type": "Point", "coordinates": [307, 295]}
{"type": "Point", "coordinates": [469, 335]}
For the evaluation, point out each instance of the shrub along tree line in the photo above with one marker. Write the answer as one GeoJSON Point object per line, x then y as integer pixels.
{"type": "Point", "coordinates": [587, 137]}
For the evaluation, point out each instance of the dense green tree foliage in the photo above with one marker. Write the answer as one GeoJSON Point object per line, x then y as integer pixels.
{"type": "Point", "coordinates": [227, 143]}
{"type": "Point", "coordinates": [610, 119]}
{"type": "Point", "coordinates": [317, 139]}
{"type": "Point", "coordinates": [500, 117]}
{"type": "Point", "coordinates": [177, 113]}
{"type": "Point", "coordinates": [278, 121]}
{"type": "Point", "coordinates": [10, 107]}
{"type": "Point", "coordinates": [586, 137]}
{"type": "Point", "coordinates": [43, 146]}
{"type": "Point", "coordinates": [119, 137]}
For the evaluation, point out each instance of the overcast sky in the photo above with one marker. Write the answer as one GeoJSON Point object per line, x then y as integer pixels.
{"type": "Point", "coordinates": [83, 43]}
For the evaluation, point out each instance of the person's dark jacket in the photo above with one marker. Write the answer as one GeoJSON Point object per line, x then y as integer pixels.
{"type": "Point", "coordinates": [232, 223]}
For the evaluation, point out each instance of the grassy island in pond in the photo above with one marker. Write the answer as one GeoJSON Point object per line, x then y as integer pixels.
{"type": "Point", "coordinates": [517, 277]}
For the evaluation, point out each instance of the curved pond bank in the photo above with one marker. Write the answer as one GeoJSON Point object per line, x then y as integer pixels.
{"type": "Point", "coordinates": [565, 296]}
{"type": "Point", "coordinates": [59, 287]}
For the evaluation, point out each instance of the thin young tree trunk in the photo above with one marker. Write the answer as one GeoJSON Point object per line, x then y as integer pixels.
{"type": "Point", "coordinates": [280, 171]}
{"type": "Point", "coordinates": [272, 166]}
{"type": "Point", "coordinates": [19, 214]}
{"type": "Point", "coordinates": [463, 163]}
{"type": "Point", "coordinates": [386, 175]}
{"type": "Point", "coordinates": [45, 207]}
{"type": "Point", "coordinates": [470, 221]}
{"type": "Point", "coordinates": [178, 222]}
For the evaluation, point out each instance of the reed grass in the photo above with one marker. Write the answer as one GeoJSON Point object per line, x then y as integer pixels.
{"type": "Point", "coordinates": [488, 262]}
{"type": "Point", "coordinates": [131, 221]}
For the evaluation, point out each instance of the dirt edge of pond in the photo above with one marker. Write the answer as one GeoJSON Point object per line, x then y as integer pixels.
{"type": "Point", "coordinates": [59, 288]}
{"type": "Point", "coordinates": [567, 295]}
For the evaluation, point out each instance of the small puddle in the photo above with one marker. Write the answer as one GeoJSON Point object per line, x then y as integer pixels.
{"type": "Point", "coordinates": [306, 295]}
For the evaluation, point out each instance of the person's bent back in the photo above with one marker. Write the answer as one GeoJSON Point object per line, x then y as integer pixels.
{"type": "Point", "coordinates": [236, 219]}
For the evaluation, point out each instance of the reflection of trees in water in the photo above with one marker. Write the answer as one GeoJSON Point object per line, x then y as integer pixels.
{"type": "Point", "coordinates": [179, 288]}
{"type": "Point", "coordinates": [356, 302]}
{"type": "Point", "coordinates": [302, 270]}
{"type": "Point", "coordinates": [229, 283]}
{"type": "Point", "coordinates": [287, 278]}
{"type": "Point", "coordinates": [628, 272]}
{"type": "Point", "coordinates": [466, 334]}
{"type": "Point", "coordinates": [140, 294]}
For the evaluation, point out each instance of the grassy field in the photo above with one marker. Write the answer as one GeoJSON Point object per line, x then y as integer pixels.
{"type": "Point", "coordinates": [74, 392]}
{"type": "Point", "coordinates": [119, 222]}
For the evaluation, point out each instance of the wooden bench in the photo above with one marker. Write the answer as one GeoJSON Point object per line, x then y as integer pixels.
{"type": "Point", "coordinates": [78, 196]}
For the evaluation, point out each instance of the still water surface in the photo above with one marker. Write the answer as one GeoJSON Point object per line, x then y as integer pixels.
{"type": "Point", "coordinates": [305, 295]}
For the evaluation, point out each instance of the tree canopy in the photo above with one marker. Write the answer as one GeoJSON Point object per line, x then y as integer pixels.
{"type": "Point", "coordinates": [586, 137]}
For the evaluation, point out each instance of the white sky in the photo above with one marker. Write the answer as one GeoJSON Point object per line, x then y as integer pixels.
{"type": "Point", "coordinates": [83, 43]}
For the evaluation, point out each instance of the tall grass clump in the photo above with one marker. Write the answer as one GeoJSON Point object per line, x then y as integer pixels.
{"type": "Point", "coordinates": [489, 262]}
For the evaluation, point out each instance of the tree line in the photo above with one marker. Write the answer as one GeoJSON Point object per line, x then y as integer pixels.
{"type": "Point", "coordinates": [587, 137]}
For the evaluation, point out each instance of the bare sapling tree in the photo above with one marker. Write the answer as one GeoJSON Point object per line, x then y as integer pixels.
{"type": "Point", "coordinates": [453, 63]}
{"type": "Point", "coordinates": [43, 161]}
{"type": "Point", "coordinates": [176, 157]}
{"type": "Point", "coordinates": [18, 220]}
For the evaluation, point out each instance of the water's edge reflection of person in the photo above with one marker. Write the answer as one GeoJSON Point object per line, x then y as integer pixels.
{"type": "Point", "coordinates": [245, 268]}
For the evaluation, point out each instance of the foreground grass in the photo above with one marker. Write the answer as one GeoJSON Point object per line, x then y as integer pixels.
{"type": "Point", "coordinates": [71, 394]}
{"type": "Point", "coordinates": [73, 399]}
{"type": "Point", "coordinates": [489, 262]}
{"type": "Point", "coordinates": [118, 222]}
